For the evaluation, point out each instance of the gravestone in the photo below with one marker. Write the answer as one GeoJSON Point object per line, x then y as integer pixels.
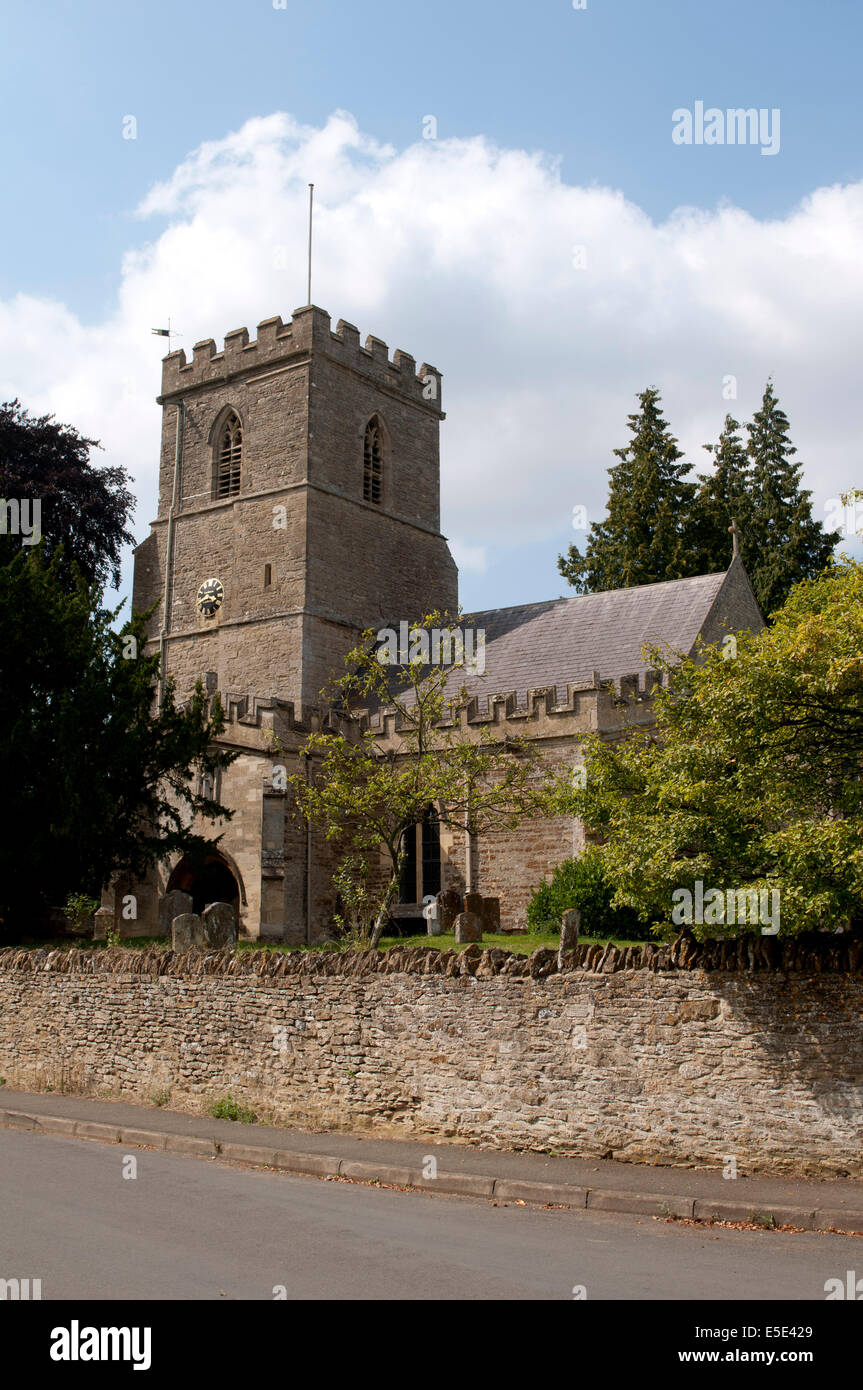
{"type": "Point", "coordinates": [468, 927]}
{"type": "Point", "coordinates": [103, 922]}
{"type": "Point", "coordinates": [171, 905]}
{"type": "Point", "coordinates": [220, 926]}
{"type": "Point", "coordinates": [570, 926]}
{"type": "Point", "coordinates": [187, 932]}
{"type": "Point", "coordinates": [473, 903]}
{"type": "Point", "coordinates": [449, 905]}
{"type": "Point", "coordinates": [490, 913]}
{"type": "Point", "coordinates": [432, 916]}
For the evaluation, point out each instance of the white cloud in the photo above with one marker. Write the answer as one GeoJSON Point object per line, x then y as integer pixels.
{"type": "Point", "coordinates": [463, 254]}
{"type": "Point", "coordinates": [469, 558]}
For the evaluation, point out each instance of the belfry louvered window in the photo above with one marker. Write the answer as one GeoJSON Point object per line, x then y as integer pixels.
{"type": "Point", "coordinates": [230, 457]}
{"type": "Point", "coordinates": [373, 462]}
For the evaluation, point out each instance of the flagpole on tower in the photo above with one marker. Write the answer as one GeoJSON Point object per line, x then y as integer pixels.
{"type": "Point", "coordinates": [311, 198]}
{"type": "Point", "coordinates": [166, 333]}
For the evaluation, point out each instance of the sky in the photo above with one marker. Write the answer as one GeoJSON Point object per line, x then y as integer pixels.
{"type": "Point", "coordinates": [501, 190]}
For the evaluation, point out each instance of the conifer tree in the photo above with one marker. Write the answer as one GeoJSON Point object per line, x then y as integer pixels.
{"type": "Point", "coordinates": [723, 496]}
{"type": "Point", "coordinates": [647, 534]}
{"type": "Point", "coordinates": [782, 542]}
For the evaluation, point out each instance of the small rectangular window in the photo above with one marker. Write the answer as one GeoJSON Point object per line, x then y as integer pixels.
{"type": "Point", "coordinates": [268, 576]}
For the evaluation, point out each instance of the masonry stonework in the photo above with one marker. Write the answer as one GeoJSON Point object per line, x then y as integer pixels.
{"type": "Point", "coordinates": [660, 1064]}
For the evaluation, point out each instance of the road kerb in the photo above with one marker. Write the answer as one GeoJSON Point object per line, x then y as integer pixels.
{"type": "Point", "coordinates": [641, 1203]}
{"type": "Point", "coordinates": [186, 1144]}
{"type": "Point", "coordinates": [87, 1129]}
{"type": "Point", "coordinates": [143, 1138]}
{"type": "Point", "coordinates": [248, 1153]}
{"type": "Point", "coordinates": [455, 1184]}
{"type": "Point", "coordinates": [753, 1214]}
{"type": "Point", "coordinates": [548, 1193]}
{"type": "Point", "coordinates": [16, 1119]}
{"type": "Point", "coordinates": [465, 1184]}
{"type": "Point", "coordinates": [827, 1220]}
{"type": "Point", "coordinates": [307, 1165]}
{"type": "Point", "coordinates": [375, 1172]}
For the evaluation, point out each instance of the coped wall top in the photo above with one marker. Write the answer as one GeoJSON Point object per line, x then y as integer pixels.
{"type": "Point", "coordinates": [308, 331]}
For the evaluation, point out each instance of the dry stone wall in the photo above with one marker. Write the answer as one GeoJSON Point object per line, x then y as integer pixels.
{"type": "Point", "coordinates": [644, 1054]}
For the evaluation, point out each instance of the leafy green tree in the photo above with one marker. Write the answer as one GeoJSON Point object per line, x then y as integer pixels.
{"type": "Point", "coordinates": [750, 781]}
{"type": "Point", "coordinates": [83, 509]}
{"type": "Point", "coordinates": [781, 541]}
{"type": "Point", "coordinates": [95, 779]}
{"type": "Point", "coordinates": [583, 883]}
{"type": "Point", "coordinates": [364, 790]}
{"type": "Point", "coordinates": [646, 534]}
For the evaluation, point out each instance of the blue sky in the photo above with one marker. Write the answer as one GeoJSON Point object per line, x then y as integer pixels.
{"type": "Point", "coordinates": [593, 89]}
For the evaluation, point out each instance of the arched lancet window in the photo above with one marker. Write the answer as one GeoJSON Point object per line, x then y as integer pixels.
{"type": "Point", "coordinates": [229, 457]}
{"type": "Point", "coordinates": [373, 461]}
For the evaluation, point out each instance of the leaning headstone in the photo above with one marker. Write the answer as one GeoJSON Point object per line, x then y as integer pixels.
{"type": "Point", "coordinates": [220, 926]}
{"type": "Point", "coordinates": [449, 905]}
{"type": "Point", "coordinates": [187, 932]}
{"type": "Point", "coordinates": [171, 905]}
{"type": "Point", "coordinates": [490, 913]}
{"type": "Point", "coordinates": [570, 926]}
{"type": "Point", "coordinates": [103, 921]}
{"type": "Point", "coordinates": [468, 927]}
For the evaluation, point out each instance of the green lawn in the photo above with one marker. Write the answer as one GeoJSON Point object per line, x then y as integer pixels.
{"type": "Point", "coordinates": [518, 945]}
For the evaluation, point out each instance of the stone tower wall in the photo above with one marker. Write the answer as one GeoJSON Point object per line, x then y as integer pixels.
{"type": "Point", "coordinates": [337, 564]}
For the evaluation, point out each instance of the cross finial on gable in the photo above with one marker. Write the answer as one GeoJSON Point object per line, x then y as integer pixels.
{"type": "Point", "coordinates": [735, 539]}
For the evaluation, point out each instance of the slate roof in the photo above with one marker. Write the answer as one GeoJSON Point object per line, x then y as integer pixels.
{"type": "Point", "coordinates": [567, 639]}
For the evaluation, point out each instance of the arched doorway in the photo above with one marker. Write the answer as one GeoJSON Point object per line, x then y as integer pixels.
{"type": "Point", "coordinates": [209, 880]}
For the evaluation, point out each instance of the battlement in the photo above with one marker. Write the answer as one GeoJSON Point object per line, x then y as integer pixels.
{"type": "Point", "coordinates": [591, 705]}
{"type": "Point", "coordinates": [585, 705]}
{"type": "Point", "coordinates": [308, 332]}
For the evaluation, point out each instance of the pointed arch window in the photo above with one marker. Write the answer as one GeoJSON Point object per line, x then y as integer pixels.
{"type": "Point", "coordinates": [373, 462]}
{"type": "Point", "coordinates": [229, 457]}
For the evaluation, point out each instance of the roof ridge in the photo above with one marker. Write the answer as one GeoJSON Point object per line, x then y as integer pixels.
{"type": "Point", "coordinates": [601, 593]}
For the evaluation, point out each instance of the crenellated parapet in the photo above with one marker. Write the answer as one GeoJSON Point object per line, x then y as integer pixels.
{"type": "Point", "coordinates": [596, 705]}
{"type": "Point", "coordinates": [277, 343]}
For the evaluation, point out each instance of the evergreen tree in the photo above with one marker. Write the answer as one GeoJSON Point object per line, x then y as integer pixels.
{"type": "Point", "coordinates": [647, 534]}
{"type": "Point", "coordinates": [723, 496]}
{"type": "Point", "coordinates": [95, 778]}
{"type": "Point", "coordinates": [782, 542]}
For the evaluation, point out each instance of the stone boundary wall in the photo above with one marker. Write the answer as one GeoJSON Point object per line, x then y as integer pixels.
{"type": "Point", "coordinates": [668, 1063]}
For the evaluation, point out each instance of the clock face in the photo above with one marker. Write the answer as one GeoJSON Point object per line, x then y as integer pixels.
{"type": "Point", "coordinates": [210, 596]}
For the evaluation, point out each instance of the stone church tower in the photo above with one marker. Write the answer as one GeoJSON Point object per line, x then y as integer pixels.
{"type": "Point", "coordinates": [299, 502]}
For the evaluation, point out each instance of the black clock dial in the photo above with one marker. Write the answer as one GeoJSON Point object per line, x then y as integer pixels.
{"type": "Point", "coordinates": [210, 596]}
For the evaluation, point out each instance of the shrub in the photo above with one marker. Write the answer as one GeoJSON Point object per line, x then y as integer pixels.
{"type": "Point", "coordinates": [582, 883]}
{"type": "Point", "coordinates": [229, 1109]}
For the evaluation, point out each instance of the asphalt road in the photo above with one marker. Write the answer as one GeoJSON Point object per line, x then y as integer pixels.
{"type": "Point", "coordinates": [189, 1228]}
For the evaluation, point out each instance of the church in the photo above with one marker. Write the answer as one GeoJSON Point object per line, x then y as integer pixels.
{"type": "Point", "coordinates": [299, 504]}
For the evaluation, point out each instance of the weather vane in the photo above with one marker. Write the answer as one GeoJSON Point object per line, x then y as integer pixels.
{"type": "Point", "coordinates": [166, 333]}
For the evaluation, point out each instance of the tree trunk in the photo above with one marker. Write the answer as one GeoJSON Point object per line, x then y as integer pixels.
{"type": "Point", "coordinates": [383, 914]}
